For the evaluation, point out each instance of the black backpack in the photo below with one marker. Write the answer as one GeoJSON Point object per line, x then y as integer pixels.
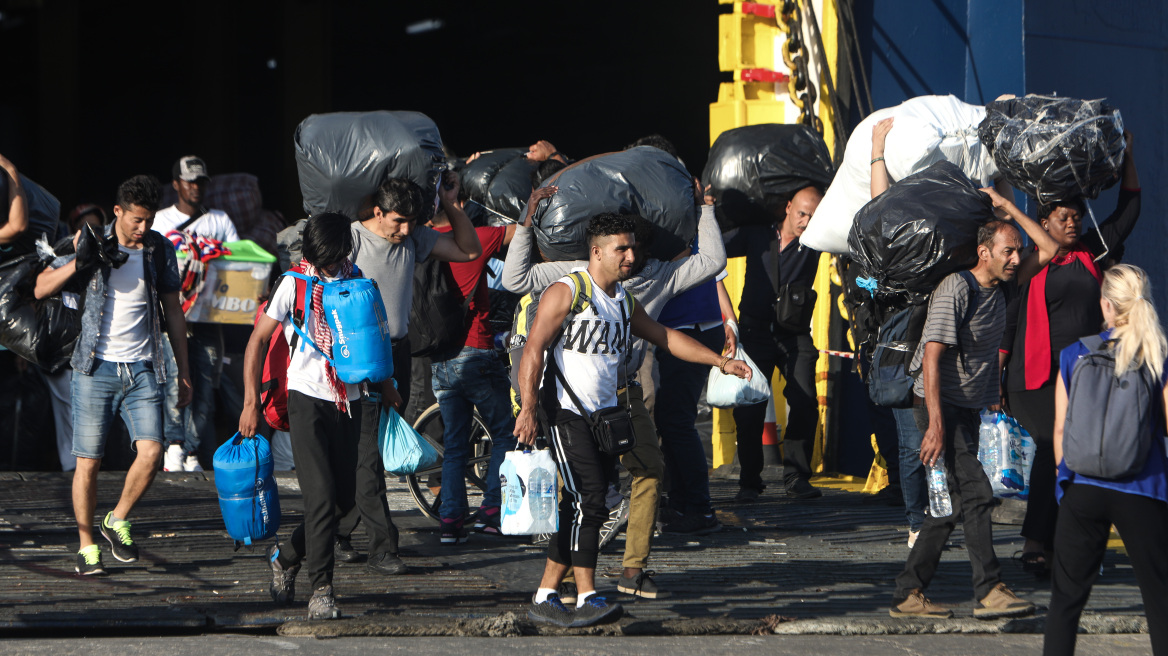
{"type": "Point", "coordinates": [438, 312]}
{"type": "Point", "coordinates": [1110, 420]}
{"type": "Point", "coordinates": [891, 379]}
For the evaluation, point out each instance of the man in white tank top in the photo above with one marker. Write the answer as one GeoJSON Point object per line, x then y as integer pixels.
{"type": "Point", "coordinates": [588, 347]}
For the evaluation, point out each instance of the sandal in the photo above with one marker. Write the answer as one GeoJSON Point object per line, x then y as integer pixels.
{"type": "Point", "coordinates": [1033, 562]}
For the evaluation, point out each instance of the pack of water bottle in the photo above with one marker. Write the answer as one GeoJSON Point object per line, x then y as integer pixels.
{"type": "Point", "coordinates": [1006, 452]}
{"type": "Point", "coordinates": [527, 480]}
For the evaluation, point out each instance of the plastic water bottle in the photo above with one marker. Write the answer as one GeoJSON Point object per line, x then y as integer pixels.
{"type": "Point", "coordinates": [940, 505]}
{"type": "Point", "coordinates": [541, 493]}
{"type": "Point", "coordinates": [986, 446]}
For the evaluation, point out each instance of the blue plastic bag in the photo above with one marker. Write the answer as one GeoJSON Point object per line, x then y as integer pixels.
{"type": "Point", "coordinates": [248, 497]}
{"type": "Point", "coordinates": [403, 450]}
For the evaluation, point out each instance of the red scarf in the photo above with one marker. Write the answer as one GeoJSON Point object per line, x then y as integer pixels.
{"type": "Point", "coordinates": [321, 333]}
{"type": "Point", "coordinates": [1037, 363]}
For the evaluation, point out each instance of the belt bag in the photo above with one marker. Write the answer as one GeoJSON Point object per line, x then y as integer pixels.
{"type": "Point", "coordinates": [794, 308]}
{"type": "Point", "coordinates": [612, 427]}
{"type": "Point", "coordinates": [612, 430]}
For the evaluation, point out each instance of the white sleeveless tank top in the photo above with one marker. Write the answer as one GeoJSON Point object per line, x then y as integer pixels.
{"type": "Point", "coordinates": [592, 350]}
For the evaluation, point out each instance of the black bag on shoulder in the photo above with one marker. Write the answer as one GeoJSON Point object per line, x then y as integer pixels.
{"type": "Point", "coordinates": [794, 303]}
{"type": "Point", "coordinates": [612, 427]}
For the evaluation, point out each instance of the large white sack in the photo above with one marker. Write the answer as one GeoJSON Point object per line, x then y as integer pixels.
{"type": "Point", "coordinates": [927, 129]}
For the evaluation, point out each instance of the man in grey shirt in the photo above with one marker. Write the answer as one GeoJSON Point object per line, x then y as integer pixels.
{"type": "Point", "coordinates": [653, 285]}
{"type": "Point", "coordinates": [958, 360]}
{"type": "Point", "coordinates": [386, 247]}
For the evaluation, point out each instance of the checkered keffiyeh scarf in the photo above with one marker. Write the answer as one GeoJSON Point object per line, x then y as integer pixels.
{"type": "Point", "coordinates": [321, 335]}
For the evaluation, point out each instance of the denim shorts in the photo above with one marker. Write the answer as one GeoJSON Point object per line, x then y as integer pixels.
{"type": "Point", "coordinates": [130, 388]}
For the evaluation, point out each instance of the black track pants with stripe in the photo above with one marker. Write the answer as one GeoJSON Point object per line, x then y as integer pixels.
{"type": "Point", "coordinates": [586, 473]}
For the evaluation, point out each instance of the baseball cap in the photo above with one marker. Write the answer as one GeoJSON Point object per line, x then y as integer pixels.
{"type": "Point", "coordinates": [189, 168]}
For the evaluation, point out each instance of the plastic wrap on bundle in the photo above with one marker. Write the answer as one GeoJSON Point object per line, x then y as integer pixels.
{"type": "Point", "coordinates": [42, 331]}
{"type": "Point", "coordinates": [919, 231]}
{"type": "Point", "coordinates": [759, 166]}
{"type": "Point", "coordinates": [341, 158]}
{"type": "Point", "coordinates": [1055, 149]}
{"type": "Point", "coordinates": [499, 182]}
{"type": "Point", "coordinates": [644, 180]}
{"type": "Point", "coordinates": [44, 212]}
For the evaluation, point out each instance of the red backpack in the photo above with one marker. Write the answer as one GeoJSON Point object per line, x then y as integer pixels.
{"type": "Point", "coordinates": [274, 382]}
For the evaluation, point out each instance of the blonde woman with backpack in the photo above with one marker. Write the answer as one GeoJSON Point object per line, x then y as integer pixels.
{"type": "Point", "coordinates": [1112, 466]}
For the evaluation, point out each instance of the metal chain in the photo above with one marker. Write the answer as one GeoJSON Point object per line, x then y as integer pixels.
{"type": "Point", "coordinates": [799, 89]}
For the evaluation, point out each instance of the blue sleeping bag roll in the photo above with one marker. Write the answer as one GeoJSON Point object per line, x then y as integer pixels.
{"type": "Point", "coordinates": [356, 316]}
{"type": "Point", "coordinates": [247, 491]}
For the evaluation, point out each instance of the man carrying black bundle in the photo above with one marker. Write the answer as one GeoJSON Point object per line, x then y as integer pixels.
{"type": "Point", "coordinates": [386, 247]}
{"type": "Point", "coordinates": [775, 320]}
{"type": "Point", "coordinates": [958, 360]}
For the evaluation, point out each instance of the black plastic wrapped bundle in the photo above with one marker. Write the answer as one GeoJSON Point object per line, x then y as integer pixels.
{"type": "Point", "coordinates": [1055, 149]}
{"type": "Point", "coordinates": [498, 181]}
{"type": "Point", "coordinates": [44, 212]}
{"type": "Point", "coordinates": [919, 231]}
{"type": "Point", "coordinates": [756, 167]}
{"type": "Point", "coordinates": [341, 158]}
{"type": "Point", "coordinates": [644, 180]}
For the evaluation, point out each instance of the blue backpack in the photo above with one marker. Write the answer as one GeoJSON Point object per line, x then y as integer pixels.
{"type": "Point", "coordinates": [247, 491]}
{"type": "Point", "coordinates": [355, 314]}
{"type": "Point", "coordinates": [891, 379]}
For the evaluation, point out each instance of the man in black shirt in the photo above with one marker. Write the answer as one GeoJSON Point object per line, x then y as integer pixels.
{"type": "Point", "coordinates": [775, 319]}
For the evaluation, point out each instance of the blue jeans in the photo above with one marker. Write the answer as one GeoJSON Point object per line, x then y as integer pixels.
{"type": "Point", "coordinates": [189, 426]}
{"type": "Point", "coordinates": [913, 484]}
{"type": "Point", "coordinates": [111, 388]}
{"type": "Point", "coordinates": [676, 415]}
{"type": "Point", "coordinates": [474, 378]}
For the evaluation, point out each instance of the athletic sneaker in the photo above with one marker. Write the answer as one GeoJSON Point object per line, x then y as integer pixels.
{"type": "Point", "coordinates": [696, 524]}
{"type": "Point", "coordinates": [323, 605]}
{"type": "Point", "coordinates": [1001, 602]}
{"type": "Point", "coordinates": [551, 611]}
{"type": "Point", "coordinates": [283, 587]}
{"type": "Point", "coordinates": [191, 464]}
{"type": "Point", "coordinates": [918, 606]}
{"type": "Point", "coordinates": [596, 610]}
{"type": "Point", "coordinates": [618, 517]}
{"type": "Point", "coordinates": [173, 460]}
{"type": "Point", "coordinates": [487, 520]}
{"type": "Point", "coordinates": [641, 585]}
{"type": "Point", "coordinates": [452, 532]}
{"type": "Point", "coordinates": [912, 537]}
{"type": "Point", "coordinates": [89, 561]}
{"type": "Point", "coordinates": [118, 534]}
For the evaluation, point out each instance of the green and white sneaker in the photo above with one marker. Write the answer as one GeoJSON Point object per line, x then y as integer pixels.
{"type": "Point", "coordinates": [121, 543]}
{"type": "Point", "coordinates": [89, 561]}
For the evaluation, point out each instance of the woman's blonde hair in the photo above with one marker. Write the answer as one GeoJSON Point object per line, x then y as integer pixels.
{"type": "Point", "coordinates": [1139, 337]}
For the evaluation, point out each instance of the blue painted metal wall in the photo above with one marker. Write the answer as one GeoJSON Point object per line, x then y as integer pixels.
{"type": "Point", "coordinates": [977, 50]}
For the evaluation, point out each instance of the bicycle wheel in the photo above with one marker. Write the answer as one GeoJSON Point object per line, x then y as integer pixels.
{"type": "Point", "coordinates": [425, 485]}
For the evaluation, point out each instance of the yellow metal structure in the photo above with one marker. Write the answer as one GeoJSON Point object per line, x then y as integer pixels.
{"type": "Point", "coordinates": [749, 41]}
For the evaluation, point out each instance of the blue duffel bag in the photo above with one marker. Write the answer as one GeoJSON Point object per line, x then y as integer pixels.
{"type": "Point", "coordinates": [248, 497]}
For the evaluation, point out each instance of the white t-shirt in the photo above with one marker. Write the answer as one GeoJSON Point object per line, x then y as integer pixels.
{"type": "Point", "coordinates": [215, 224]}
{"type": "Point", "coordinates": [125, 333]}
{"type": "Point", "coordinates": [307, 367]}
{"type": "Point", "coordinates": [592, 349]}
